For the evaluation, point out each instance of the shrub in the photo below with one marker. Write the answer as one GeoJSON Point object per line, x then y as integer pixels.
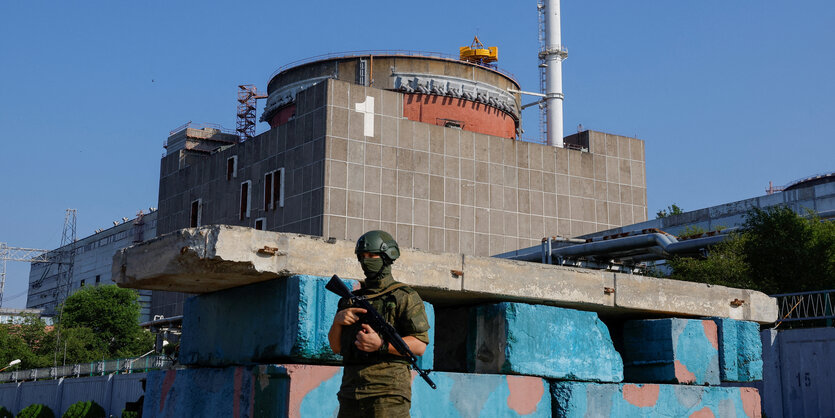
{"type": "Point", "coordinates": [130, 414]}
{"type": "Point", "coordinates": [5, 413]}
{"type": "Point", "coordinates": [36, 411]}
{"type": "Point", "coordinates": [88, 409]}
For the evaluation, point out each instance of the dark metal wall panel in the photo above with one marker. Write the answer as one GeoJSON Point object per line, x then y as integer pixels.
{"type": "Point", "coordinates": [85, 389]}
{"type": "Point", "coordinates": [807, 363]}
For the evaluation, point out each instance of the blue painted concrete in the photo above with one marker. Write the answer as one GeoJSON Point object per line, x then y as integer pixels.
{"type": "Point", "coordinates": [276, 320]}
{"type": "Point", "coordinates": [740, 350]}
{"type": "Point", "coordinates": [539, 340]}
{"type": "Point", "coordinates": [310, 391]}
{"type": "Point", "coordinates": [207, 392]}
{"type": "Point", "coordinates": [671, 350]}
{"type": "Point", "coordinates": [582, 399]}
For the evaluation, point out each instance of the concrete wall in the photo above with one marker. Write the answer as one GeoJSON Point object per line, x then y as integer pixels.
{"type": "Point", "coordinates": [93, 260]}
{"type": "Point", "coordinates": [288, 390]}
{"type": "Point", "coordinates": [111, 392]}
{"type": "Point", "coordinates": [579, 399]}
{"type": "Point", "coordinates": [448, 190]}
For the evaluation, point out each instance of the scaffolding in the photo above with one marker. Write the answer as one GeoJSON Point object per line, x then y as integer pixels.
{"type": "Point", "coordinates": [247, 101]}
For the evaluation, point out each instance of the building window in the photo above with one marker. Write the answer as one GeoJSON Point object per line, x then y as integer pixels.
{"type": "Point", "coordinates": [232, 167]}
{"type": "Point", "coordinates": [261, 224]}
{"type": "Point", "coordinates": [82, 283]}
{"type": "Point", "coordinates": [196, 214]}
{"type": "Point", "coordinates": [274, 189]}
{"type": "Point", "coordinates": [245, 199]}
{"type": "Point", "coordinates": [98, 279]}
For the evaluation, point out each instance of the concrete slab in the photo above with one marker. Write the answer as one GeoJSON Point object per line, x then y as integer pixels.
{"type": "Point", "coordinates": [293, 390]}
{"type": "Point", "coordinates": [211, 258]}
{"type": "Point", "coordinates": [740, 350]}
{"type": "Point", "coordinates": [284, 319]}
{"type": "Point", "coordinates": [539, 340]}
{"type": "Point", "coordinates": [580, 399]}
{"type": "Point", "coordinates": [675, 297]}
{"type": "Point", "coordinates": [671, 351]}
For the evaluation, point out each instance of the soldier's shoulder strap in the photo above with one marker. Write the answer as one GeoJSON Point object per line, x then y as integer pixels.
{"type": "Point", "coordinates": [385, 291]}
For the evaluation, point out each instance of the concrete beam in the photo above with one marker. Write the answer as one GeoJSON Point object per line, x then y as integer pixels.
{"type": "Point", "coordinates": [211, 258]}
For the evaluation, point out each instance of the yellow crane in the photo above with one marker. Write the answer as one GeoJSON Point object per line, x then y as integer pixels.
{"type": "Point", "coordinates": [476, 53]}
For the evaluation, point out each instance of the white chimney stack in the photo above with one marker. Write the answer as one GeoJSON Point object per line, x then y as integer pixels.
{"type": "Point", "coordinates": [553, 54]}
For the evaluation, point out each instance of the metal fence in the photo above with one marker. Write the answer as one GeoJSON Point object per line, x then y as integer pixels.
{"type": "Point", "coordinates": [97, 368]}
{"type": "Point", "coordinates": [804, 306]}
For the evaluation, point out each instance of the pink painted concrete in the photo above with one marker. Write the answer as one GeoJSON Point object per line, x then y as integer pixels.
{"type": "Point", "coordinates": [170, 376]}
{"type": "Point", "coordinates": [525, 393]}
{"type": "Point", "coordinates": [236, 402]}
{"type": "Point", "coordinates": [751, 402]}
{"type": "Point", "coordinates": [476, 117]}
{"type": "Point", "coordinates": [682, 374]}
{"type": "Point", "coordinates": [711, 332]}
{"type": "Point", "coordinates": [303, 379]}
{"type": "Point", "coordinates": [641, 396]}
{"type": "Point", "coordinates": [703, 413]}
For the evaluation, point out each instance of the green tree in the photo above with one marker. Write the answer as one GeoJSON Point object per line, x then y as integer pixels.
{"type": "Point", "coordinates": [29, 341]}
{"type": "Point", "coordinates": [669, 211]}
{"type": "Point", "coordinates": [724, 266]}
{"type": "Point", "coordinates": [777, 251]}
{"type": "Point", "coordinates": [109, 314]}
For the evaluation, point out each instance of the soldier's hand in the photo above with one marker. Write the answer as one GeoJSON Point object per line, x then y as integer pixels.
{"type": "Point", "coordinates": [368, 340]}
{"type": "Point", "coordinates": [348, 316]}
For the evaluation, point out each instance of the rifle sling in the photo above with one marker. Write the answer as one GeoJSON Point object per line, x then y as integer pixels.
{"type": "Point", "coordinates": [385, 291]}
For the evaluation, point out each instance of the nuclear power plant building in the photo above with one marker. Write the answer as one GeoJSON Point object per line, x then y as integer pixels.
{"type": "Point", "coordinates": [421, 146]}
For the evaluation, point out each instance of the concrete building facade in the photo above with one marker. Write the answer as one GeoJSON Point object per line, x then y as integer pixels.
{"type": "Point", "coordinates": [816, 195]}
{"type": "Point", "coordinates": [343, 158]}
{"type": "Point", "coordinates": [92, 265]}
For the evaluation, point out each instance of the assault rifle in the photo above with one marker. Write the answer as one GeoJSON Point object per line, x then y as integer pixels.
{"type": "Point", "coordinates": [376, 321]}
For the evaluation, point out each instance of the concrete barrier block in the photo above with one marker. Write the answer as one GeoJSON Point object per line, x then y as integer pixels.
{"type": "Point", "coordinates": [581, 399]}
{"type": "Point", "coordinates": [740, 350]}
{"type": "Point", "coordinates": [539, 340]}
{"type": "Point", "coordinates": [292, 390]}
{"type": "Point", "coordinates": [277, 320]}
{"type": "Point", "coordinates": [671, 351]}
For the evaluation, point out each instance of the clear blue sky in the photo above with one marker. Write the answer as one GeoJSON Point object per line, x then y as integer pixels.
{"type": "Point", "coordinates": [727, 95]}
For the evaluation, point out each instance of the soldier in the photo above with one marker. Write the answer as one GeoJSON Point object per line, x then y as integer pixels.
{"type": "Point", "coordinates": [376, 381]}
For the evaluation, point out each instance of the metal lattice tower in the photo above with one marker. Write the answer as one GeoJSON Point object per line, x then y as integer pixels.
{"type": "Point", "coordinates": [66, 254]}
{"type": "Point", "coordinates": [247, 101]}
{"type": "Point", "coordinates": [29, 255]}
{"type": "Point", "coordinates": [67, 257]}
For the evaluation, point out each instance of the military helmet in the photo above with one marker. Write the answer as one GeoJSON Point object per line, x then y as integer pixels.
{"type": "Point", "coordinates": [378, 242]}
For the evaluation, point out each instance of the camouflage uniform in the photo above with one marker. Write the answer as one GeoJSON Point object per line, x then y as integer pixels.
{"type": "Point", "coordinates": [380, 384]}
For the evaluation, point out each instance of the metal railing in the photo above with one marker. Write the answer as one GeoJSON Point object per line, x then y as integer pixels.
{"type": "Point", "coordinates": [394, 52]}
{"type": "Point", "coordinates": [96, 368]}
{"type": "Point", "coordinates": [805, 306]}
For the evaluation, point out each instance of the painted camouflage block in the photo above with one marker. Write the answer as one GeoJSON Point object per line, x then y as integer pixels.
{"type": "Point", "coordinates": [671, 351]}
{"type": "Point", "coordinates": [740, 350]}
{"type": "Point", "coordinates": [310, 391]}
{"type": "Point", "coordinates": [539, 340]}
{"type": "Point", "coordinates": [284, 319]}
{"type": "Point", "coordinates": [581, 399]}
